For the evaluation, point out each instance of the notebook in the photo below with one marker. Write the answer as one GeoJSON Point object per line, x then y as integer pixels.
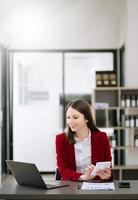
{"type": "Point", "coordinates": [27, 174]}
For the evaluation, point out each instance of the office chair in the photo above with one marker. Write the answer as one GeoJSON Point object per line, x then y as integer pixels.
{"type": "Point", "coordinates": [57, 175]}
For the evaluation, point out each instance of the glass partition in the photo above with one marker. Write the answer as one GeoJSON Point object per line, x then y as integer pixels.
{"type": "Point", "coordinates": [80, 71]}
{"type": "Point", "coordinates": [37, 113]}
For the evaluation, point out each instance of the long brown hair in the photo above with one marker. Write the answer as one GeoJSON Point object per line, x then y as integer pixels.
{"type": "Point", "coordinates": [83, 107]}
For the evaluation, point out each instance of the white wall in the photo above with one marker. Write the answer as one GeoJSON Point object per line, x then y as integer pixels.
{"type": "Point", "coordinates": [122, 15]}
{"type": "Point", "coordinates": [131, 69]}
{"type": "Point", "coordinates": [131, 65]}
{"type": "Point", "coordinates": [61, 24]}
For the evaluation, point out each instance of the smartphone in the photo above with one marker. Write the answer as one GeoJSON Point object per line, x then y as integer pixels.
{"type": "Point", "coordinates": [124, 185]}
{"type": "Point", "coordinates": [100, 165]}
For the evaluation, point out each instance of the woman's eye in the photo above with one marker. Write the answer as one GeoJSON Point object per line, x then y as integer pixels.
{"type": "Point", "coordinates": [71, 117]}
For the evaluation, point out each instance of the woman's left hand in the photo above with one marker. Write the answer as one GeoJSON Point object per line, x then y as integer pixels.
{"type": "Point", "coordinates": [104, 174]}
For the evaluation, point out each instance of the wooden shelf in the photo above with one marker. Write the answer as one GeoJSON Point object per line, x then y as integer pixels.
{"type": "Point", "coordinates": [111, 111]}
{"type": "Point", "coordinates": [123, 147]}
{"type": "Point", "coordinates": [125, 167]}
{"type": "Point", "coordinates": [120, 128]}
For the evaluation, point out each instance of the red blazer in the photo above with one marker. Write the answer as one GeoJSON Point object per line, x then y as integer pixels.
{"type": "Point", "coordinates": [66, 163]}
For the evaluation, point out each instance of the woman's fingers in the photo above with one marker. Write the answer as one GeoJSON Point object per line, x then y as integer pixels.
{"type": "Point", "coordinates": [88, 172]}
{"type": "Point", "coordinates": [104, 174]}
{"type": "Point", "coordinates": [90, 168]}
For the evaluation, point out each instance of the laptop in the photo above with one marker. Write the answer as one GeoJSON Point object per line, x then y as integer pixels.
{"type": "Point", "coordinates": [27, 174]}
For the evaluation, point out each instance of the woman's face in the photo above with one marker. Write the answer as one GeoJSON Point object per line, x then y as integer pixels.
{"type": "Point", "coordinates": [75, 120]}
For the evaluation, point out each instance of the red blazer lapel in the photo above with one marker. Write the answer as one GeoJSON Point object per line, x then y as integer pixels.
{"type": "Point", "coordinates": [71, 155]}
{"type": "Point", "coordinates": [93, 154]}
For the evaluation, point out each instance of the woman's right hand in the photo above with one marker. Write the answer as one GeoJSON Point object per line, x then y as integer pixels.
{"type": "Point", "coordinates": [87, 175]}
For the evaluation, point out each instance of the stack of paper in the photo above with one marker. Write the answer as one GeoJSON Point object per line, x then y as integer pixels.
{"type": "Point", "coordinates": [97, 186]}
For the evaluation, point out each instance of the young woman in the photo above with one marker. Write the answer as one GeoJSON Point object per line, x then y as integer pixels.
{"type": "Point", "coordinates": [82, 145]}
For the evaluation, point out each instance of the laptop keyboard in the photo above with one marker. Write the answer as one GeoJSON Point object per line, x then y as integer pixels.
{"type": "Point", "coordinates": [49, 185]}
{"type": "Point", "coordinates": [52, 185]}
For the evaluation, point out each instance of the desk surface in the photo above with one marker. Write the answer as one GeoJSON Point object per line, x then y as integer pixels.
{"type": "Point", "coordinates": [10, 190]}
